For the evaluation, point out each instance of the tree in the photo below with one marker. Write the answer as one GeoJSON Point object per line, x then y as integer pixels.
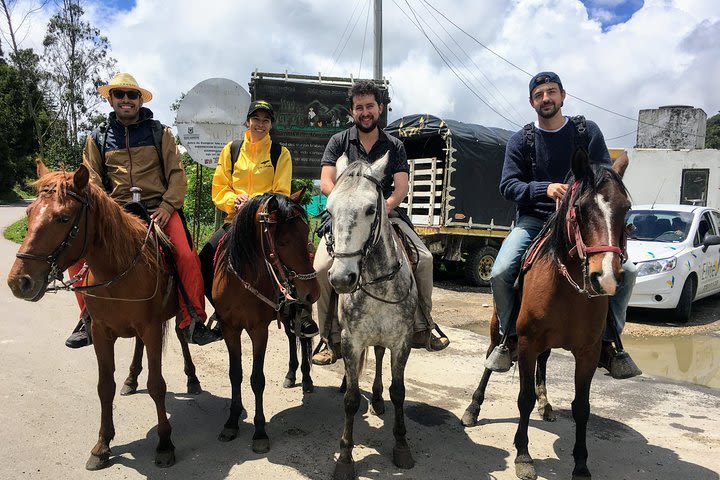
{"type": "Point", "coordinates": [712, 134]}
{"type": "Point", "coordinates": [76, 61]}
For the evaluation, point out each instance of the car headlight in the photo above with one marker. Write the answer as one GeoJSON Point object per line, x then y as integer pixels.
{"type": "Point", "coordinates": [656, 266]}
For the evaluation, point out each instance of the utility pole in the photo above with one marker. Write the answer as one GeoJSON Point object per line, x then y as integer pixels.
{"type": "Point", "coordinates": [377, 60]}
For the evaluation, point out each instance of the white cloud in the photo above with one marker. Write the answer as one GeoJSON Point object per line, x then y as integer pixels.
{"type": "Point", "coordinates": [665, 54]}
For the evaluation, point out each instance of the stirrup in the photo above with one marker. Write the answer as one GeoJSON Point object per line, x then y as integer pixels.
{"type": "Point", "coordinates": [622, 366]}
{"type": "Point", "coordinates": [499, 359]}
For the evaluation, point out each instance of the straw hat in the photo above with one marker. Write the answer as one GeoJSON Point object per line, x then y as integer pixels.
{"type": "Point", "coordinates": [126, 81]}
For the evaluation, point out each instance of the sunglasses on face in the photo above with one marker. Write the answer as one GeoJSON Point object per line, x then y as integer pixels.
{"type": "Point", "coordinates": [130, 94]}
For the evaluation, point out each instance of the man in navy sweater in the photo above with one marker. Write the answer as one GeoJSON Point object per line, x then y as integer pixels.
{"type": "Point", "coordinates": [535, 185]}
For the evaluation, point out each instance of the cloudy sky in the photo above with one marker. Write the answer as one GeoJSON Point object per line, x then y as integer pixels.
{"type": "Point", "coordinates": [615, 57]}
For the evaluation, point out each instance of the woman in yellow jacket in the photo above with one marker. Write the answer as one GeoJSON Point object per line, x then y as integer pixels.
{"type": "Point", "coordinates": [255, 172]}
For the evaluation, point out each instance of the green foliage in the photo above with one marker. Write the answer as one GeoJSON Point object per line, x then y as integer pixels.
{"type": "Point", "coordinates": [712, 135]}
{"type": "Point", "coordinates": [297, 183]}
{"type": "Point", "coordinates": [16, 232]}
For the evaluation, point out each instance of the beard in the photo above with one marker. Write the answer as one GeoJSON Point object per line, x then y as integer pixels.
{"type": "Point", "coordinates": [369, 129]}
{"type": "Point", "coordinates": [548, 113]}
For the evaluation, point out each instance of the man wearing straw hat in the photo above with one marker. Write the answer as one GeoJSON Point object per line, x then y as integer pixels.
{"type": "Point", "coordinates": [131, 149]}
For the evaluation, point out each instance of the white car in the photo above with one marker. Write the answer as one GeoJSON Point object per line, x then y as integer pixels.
{"type": "Point", "coordinates": [676, 249]}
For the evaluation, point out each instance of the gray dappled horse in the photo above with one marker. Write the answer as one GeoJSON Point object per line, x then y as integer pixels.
{"type": "Point", "coordinates": [378, 297]}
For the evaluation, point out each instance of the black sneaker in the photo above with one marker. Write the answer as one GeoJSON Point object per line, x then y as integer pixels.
{"type": "Point", "coordinates": [80, 337]}
{"type": "Point", "coordinates": [308, 327]}
{"type": "Point", "coordinates": [202, 335]}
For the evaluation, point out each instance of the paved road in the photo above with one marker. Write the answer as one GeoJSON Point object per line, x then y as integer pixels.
{"type": "Point", "coordinates": [642, 428]}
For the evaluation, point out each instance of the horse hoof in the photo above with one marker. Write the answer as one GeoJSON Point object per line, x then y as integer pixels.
{"type": "Point", "coordinates": [344, 471]}
{"type": "Point", "coordinates": [308, 387]}
{"type": "Point", "coordinates": [288, 382]}
{"type": "Point", "coordinates": [581, 473]}
{"type": "Point", "coordinates": [98, 462]}
{"type": "Point", "coordinates": [128, 389]}
{"type": "Point", "coordinates": [524, 469]}
{"type": "Point", "coordinates": [377, 407]}
{"type": "Point", "coordinates": [261, 445]}
{"type": "Point", "coordinates": [469, 419]}
{"type": "Point", "coordinates": [165, 459]}
{"type": "Point", "coordinates": [194, 388]}
{"type": "Point", "coordinates": [548, 414]}
{"type": "Point", "coordinates": [228, 434]}
{"type": "Point", "coordinates": [402, 457]}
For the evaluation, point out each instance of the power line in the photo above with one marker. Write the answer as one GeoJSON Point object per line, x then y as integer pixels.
{"type": "Point", "coordinates": [362, 53]}
{"type": "Point", "coordinates": [335, 60]}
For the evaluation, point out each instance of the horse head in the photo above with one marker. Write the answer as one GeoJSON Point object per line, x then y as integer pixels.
{"type": "Point", "coordinates": [56, 234]}
{"type": "Point", "coordinates": [357, 207]}
{"type": "Point", "coordinates": [595, 221]}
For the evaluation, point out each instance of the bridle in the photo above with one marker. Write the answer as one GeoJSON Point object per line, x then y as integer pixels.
{"type": "Point", "coordinates": [583, 251]}
{"type": "Point", "coordinates": [370, 242]}
{"type": "Point", "coordinates": [56, 273]}
{"type": "Point", "coordinates": [283, 277]}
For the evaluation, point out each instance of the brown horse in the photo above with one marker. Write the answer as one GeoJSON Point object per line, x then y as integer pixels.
{"type": "Point", "coordinates": [133, 295]}
{"type": "Point", "coordinates": [264, 259]}
{"type": "Point", "coordinates": [565, 301]}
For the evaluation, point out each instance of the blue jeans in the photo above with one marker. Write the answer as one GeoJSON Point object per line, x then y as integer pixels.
{"type": "Point", "coordinates": [507, 267]}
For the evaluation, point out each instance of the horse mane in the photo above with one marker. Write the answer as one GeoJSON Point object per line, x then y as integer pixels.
{"type": "Point", "coordinates": [558, 243]}
{"type": "Point", "coordinates": [354, 169]}
{"type": "Point", "coordinates": [113, 225]}
{"type": "Point", "coordinates": [239, 248]}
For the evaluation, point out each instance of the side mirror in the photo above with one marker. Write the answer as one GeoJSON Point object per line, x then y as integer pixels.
{"type": "Point", "coordinates": [709, 241]}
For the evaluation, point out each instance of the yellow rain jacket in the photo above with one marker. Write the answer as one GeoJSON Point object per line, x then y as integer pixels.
{"type": "Point", "coordinates": [253, 174]}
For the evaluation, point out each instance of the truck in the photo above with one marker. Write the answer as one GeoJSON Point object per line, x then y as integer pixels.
{"type": "Point", "coordinates": [454, 200]}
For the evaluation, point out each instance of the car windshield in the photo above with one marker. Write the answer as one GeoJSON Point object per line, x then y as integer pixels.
{"type": "Point", "coordinates": [659, 226]}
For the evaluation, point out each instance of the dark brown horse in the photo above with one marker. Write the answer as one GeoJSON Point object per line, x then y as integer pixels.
{"type": "Point", "coordinates": [565, 301]}
{"type": "Point", "coordinates": [263, 271]}
{"type": "Point", "coordinates": [133, 295]}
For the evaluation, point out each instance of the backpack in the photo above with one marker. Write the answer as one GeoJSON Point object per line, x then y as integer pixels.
{"type": "Point", "coordinates": [275, 151]}
{"type": "Point", "coordinates": [99, 136]}
{"type": "Point", "coordinates": [528, 144]}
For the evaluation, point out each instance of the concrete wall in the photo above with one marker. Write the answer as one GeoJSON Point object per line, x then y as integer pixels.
{"type": "Point", "coordinates": [672, 127]}
{"type": "Point", "coordinates": [656, 174]}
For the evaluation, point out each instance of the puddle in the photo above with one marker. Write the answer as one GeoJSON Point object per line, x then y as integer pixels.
{"type": "Point", "coordinates": [686, 358]}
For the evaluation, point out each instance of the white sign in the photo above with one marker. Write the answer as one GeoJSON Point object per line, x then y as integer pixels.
{"type": "Point", "coordinates": [210, 115]}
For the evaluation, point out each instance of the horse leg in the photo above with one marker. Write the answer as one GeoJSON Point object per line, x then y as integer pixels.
{"type": "Point", "coordinates": [377, 405]}
{"type": "Point", "coordinates": [584, 370]}
{"type": "Point", "coordinates": [470, 416]}
{"type": "Point", "coordinates": [524, 468]}
{"type": "Point", "coordinates": [293, 363]}
{"type": "Point", "coordinates": [259, 337]}
{"type": "Point", "coordinates": [306, 352]}
{"type": "Point", "coordinates": [105, 353]}
{"type": "Point", "coordinates": [345, 466]}
{"type": "Point", "coordinates": [165, 450]}
{"type": "Point", "coordinates": [402, 456]}
{"type": "Point", "coordinates": [193, 383]}
{"type": "Point", "coordinates": [233, 343]}
{"type": "Point", "coordinates": [131, 382]}
{"type": "Point", "coordinates": [543, 406]}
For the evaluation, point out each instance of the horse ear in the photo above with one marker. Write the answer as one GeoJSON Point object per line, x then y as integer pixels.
{"type": "Point", "coordinates": [581, 164]}
{"type": "Point", "coordinates": [41, 169]}
{"type": "Point", "coordinates": [340, 165]}
{"type": "Point", "coordinates": [81, 178]}
{"type": "Point", "coordinates": [621, 163]}
{"type": "Point", "coordinates": [298, 196]}
{"type": "Point", "coordinates": [377, 169]}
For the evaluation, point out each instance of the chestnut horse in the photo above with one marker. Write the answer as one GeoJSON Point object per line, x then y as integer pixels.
{"type": "Point", "coordinates": [565, 300]}
{"type": "Point", "coordinates": [263, 261]}
{"type": "Point", "coordinates": [132, 295]}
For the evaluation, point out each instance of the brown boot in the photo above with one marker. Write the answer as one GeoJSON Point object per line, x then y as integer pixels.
{"type": "Point", "coordinates": [425, 339]}
{"type": "Point", "coordinates": [328, 355]}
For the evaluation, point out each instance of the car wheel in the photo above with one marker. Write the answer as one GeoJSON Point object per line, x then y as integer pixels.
{"type": "Point", "coordinates": [681, 313]}
{"type": "Point", "coordinates": [478, 266]}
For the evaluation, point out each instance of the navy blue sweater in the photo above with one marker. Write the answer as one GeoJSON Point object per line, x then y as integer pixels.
{"type": "Point", "coordinates": [553, 156]}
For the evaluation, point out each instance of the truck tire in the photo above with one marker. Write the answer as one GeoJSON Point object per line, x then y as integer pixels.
{"type": "Point", "coordinates": [478, 265]}
{"type": "Point", "coordinates": [681, 313]}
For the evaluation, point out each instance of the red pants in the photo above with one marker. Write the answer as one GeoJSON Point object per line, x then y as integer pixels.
{"type": "Point", "coordinates": [188, 266]}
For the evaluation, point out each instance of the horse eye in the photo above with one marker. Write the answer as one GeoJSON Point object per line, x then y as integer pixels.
{"type": "Point", "coordinates": [370, 211]}
{"type": "Point", "coordinates": [63, 219]}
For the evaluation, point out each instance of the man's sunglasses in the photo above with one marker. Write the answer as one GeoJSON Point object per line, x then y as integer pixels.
{"type": "Point", "coordinates": [120, 94]}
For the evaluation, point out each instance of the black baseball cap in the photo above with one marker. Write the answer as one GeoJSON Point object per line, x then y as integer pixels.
{"type": "Point", "coordinates": [544, 77]}
{"type": "Point", "coordinates": [261, 105]}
